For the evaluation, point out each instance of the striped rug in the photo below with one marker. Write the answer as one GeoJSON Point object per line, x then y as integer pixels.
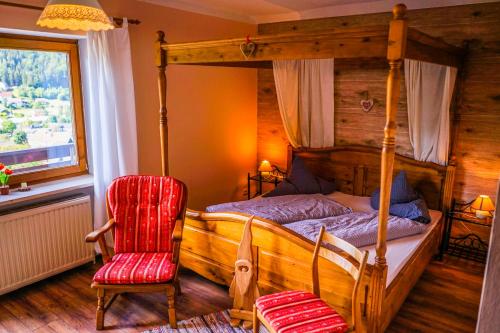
{"type": "Point", "coordinates": [217, 322]}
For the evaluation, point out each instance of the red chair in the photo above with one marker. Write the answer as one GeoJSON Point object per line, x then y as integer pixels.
{"type": "Point", "coordinates": [305, 312]}
{"type": "Point", "coordinates": [146, 217]}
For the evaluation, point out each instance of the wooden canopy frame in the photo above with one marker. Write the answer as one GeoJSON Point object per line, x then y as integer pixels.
{"type": "Point", "coordinates": [394, 43]}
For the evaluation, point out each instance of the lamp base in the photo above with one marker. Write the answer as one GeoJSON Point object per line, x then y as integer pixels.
{"type": "Point", "coordinates": [482, 214]}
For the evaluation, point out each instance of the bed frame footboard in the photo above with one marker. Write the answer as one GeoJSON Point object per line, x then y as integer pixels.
{"type": "Point", "coordinates": [283, 258]}
{"type": "Point", "coordinates": [283, 262]}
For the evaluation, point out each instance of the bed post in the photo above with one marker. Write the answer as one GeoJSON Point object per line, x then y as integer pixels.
{"type": "Point", "coordinates": [161, 63]}
{"type": "Point", "coordinates": [396, 47]}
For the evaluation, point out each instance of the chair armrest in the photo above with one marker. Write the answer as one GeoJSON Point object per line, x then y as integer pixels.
{"type": "Point", "coordinates": [94, 235]}
{"type": "Point", "coordinates": [177, 233]}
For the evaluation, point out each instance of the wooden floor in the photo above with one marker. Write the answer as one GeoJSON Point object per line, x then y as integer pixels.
{"type": "Point", "coordinates": [445, 299]}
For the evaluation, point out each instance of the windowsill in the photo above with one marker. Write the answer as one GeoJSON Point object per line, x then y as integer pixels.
{"type": "Point", "coordinates": [39, 191]}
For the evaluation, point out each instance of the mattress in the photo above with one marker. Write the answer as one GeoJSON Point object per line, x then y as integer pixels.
{"type": "Point", "coordinates": [400, 250]}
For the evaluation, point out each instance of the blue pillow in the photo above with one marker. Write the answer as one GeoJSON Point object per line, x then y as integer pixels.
{"type": "Point", "coordinates": [325, 186]}
{"type": "Point", "coordinates": [301, 181]}
{"type": "Point", "coordinates": [415, 210]}
{"type": "Point", "coordinates": [401, 192]}
{"type": "Point", "coordinates": [302, 178]}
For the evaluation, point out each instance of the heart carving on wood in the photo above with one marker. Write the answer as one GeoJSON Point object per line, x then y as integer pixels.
{"type": "Point", "coordinates": [367, 104]}
{"type": "Point", "coordinates": [248, 49]}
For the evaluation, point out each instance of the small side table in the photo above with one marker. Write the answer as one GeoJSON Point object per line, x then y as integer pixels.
{"type": "Point", "coordinates": [259, 178]}
{"type": "Point", "coordinates": [470, 246]}
{"type": "Point", "coordinates": [274, 177]}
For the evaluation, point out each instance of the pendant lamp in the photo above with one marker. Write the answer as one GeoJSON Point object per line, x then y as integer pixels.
{"type": "Point", "coordinates": [75, 15]}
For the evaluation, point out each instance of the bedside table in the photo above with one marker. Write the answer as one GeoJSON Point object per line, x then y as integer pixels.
{"type": "Point", "coordinates": [470, 246]}
{"type": "Point", "coordinates": [274, 177]}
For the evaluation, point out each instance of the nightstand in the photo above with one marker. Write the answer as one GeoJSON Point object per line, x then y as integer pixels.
{"type": "Point", "coordinates": [275, 177]}
{"type": "Point", "coordinates": [470, 246]}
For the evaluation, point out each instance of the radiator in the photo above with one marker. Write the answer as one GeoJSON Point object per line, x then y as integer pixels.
{"type": "Point", "coordinates": [39, 242]}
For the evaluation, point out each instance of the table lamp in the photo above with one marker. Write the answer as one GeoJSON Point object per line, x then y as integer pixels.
{"type": "Point", "coordinates": [265, 167]}
{"type": "Point", "coordinates": [483, 206]}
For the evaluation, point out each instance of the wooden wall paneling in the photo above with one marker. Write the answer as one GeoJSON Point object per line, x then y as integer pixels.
{"type": "Point", "coordinates": [272, 142]}
{"type": "Point", "coordinates": [477, 139]}
{"type": "Point", "coordinates": [324, 23]}
{"type": "Point", "coordinates": [353, 126]}
{"type": "Point", "coordinates": [477, 143]}
{"type": "Point", "coordinates": [468, 20]}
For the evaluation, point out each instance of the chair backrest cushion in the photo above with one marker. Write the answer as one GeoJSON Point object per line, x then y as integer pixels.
{"type": "Point", "coordinates": [145, 209]}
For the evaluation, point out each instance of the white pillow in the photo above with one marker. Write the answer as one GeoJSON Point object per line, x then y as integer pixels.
{"type": "Point", "coordinates": [356, 203]}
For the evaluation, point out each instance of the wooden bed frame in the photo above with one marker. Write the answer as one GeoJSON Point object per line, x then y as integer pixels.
{"type": "Point", "coordinates": [282, 257]}
{"type": "Point", "coordinates": [210, 240]}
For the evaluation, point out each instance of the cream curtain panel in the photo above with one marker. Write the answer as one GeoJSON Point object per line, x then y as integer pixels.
{"type": "Point", "coordinates": [429, 89]}
{"type": "Point", "coordinates": [110, 108]}
{"type": "Point", "coordinates": [305, 97]}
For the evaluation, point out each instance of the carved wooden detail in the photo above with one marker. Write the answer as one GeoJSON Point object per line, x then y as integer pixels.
{"type": "Point", "coordinates": [161, 63]}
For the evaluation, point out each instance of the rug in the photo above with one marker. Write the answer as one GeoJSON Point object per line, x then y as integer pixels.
{"type": "Point", "coordinates": [217, 322]}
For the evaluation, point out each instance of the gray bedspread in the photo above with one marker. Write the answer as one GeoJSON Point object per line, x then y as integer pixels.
{"type": "Point", "coordinates": [285, 209]}
{"type": "Point", "coordinates": [359, 229]}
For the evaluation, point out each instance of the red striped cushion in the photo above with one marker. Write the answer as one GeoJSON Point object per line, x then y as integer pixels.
{"type": "Point", "coordinates": [134, 268]}
{"type": "Point", "coordinates": [145, 209]}
{"type": "Point", "coordinates": [299, 312]}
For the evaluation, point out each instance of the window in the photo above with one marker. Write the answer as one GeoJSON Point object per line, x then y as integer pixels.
{"type": "Point", "coordinates": [42, 132]}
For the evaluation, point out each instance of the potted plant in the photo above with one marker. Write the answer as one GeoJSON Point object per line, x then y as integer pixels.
{"type": "Point", "coordinates": [4, 179]}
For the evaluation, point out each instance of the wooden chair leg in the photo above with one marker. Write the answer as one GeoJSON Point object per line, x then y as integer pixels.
{"type": "Point", "coordinates": [171, 306]}
{"type": "Point", "coordinates": [256, 322]}
{"type": "Point", "coordinates": [100, 309]}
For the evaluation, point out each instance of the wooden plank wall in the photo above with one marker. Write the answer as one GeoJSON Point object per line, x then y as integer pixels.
{"type": "Point", "coordinates": [477, 143]}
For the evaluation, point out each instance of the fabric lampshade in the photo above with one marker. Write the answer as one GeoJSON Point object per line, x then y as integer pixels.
{"type": "Point", "coordinates": [483, 206]}
{"type": "Point", "coordinates": [265, 166]}
{"type": "Point", "coordinates": [75, 15]}
{"type": "Point", "coordinates": [483, 202]}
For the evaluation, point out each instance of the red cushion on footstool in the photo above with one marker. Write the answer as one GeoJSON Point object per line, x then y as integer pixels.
{"type": "Point", "coordinates": [300, 312]}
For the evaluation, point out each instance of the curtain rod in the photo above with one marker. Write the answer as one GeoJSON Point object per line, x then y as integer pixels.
{"type": "Point", "coordinates": [118, 21]}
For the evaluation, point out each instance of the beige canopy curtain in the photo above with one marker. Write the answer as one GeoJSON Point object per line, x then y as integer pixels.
{"type": "Point", "coordinates": [305, 97]}
{"type": "Point", "coordinates": [429, 89]}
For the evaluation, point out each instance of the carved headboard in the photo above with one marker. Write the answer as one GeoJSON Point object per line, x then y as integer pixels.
{"type": "Point", "coordinates": [356, 170]}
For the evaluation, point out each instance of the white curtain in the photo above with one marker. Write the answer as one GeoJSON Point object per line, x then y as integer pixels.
{"type": "Point", "coordinates": [305, 98]}
{"type": "Point", "coordinates": [429, 89]}
{"type": "Point", "coordinates": [110, 109]}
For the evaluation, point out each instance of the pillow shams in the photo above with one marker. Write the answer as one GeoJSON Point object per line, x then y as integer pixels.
{"type": "Point", "coordinates": [301, 181]}
{"type": "Point", "coordinates": [405, 201]}
{"type": "Point", "coordinates": [415, 210]}
{"type": "Point", "coordinates": [401, 192]}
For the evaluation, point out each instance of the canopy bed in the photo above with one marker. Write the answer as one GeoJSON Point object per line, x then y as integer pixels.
{"type": "Point", "coordinates": [211, 240]}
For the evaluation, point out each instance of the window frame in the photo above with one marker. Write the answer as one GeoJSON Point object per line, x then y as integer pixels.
{"type": "Point", "coordinates": [70, 47]}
